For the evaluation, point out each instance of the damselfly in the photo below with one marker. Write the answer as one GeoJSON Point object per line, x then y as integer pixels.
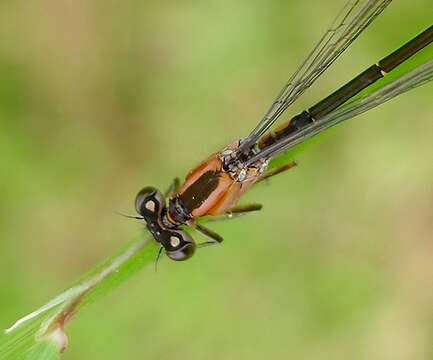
{"type": "Point", "coordinates": [214, 186]}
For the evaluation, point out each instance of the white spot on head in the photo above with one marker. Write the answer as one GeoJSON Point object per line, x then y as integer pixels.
{"type": "Point", "coordinates": [174, 241]}
{"type": "Point", "coordinates": [150, 205]}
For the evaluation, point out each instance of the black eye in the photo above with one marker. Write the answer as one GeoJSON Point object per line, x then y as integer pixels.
{"type": "Point", "coordinates": [148, 200]}
{"type": "Point", "coordinates": [179, 245]}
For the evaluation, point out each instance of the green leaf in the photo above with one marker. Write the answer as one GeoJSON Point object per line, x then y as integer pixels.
{"type": "Point", "coordinates": [40, 334]}
{"type": "Point", "coordinates": [46, 350]}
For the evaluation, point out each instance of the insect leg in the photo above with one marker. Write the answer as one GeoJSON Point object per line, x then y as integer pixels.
{"type": "Point", "coordinates": [210, 234]}
{"type": "Point", "coordinates": [277, 170]}
{"type": "Point", "coordinates": [234, 212]}
{"type": "Point", "coordinates": [173, 188]}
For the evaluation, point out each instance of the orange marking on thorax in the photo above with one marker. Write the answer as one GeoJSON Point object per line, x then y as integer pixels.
{"type": "Point", "coordinates": [228, 190]}
{"type": "Point", "coordinates": [224, 184]}
{"type": "Point", "coordinates": [212, 163]}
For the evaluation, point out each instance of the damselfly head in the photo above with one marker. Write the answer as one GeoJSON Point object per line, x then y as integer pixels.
{"type": "Point", "coordinates": [178, 244]}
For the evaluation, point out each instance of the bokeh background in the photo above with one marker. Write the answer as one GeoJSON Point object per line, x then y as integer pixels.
{"type": "Point", "coordinates": [98, 99]}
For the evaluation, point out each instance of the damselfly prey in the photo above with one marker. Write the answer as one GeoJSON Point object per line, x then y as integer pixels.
{"type": "Point", "coordinates": [214, 186]}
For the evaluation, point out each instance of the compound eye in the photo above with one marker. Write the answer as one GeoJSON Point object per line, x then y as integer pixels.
{"type": "Point", "coordinates": [148, 200]}
{"type": "Point", "coordinates": [180, 245]}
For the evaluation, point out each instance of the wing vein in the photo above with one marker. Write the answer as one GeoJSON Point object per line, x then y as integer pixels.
{"type": "Point", "coordinates": [416, 77]}
{"type": "Point", "coordinates": [351, 20]}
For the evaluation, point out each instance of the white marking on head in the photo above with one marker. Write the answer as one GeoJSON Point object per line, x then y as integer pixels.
{"type": "Point", "coordinates": [150, 205]}
{"type": "Point", "coordinates": [174, 241]}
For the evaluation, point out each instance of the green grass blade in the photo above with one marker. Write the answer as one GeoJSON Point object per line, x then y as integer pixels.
{"type": "Point", "coordinates": [40, 334]}
{"type": "Point", "coordinates": [47, 349]}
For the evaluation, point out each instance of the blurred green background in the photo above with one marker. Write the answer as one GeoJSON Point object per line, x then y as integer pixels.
{"type": "Point", "coordinates": [98, 99]}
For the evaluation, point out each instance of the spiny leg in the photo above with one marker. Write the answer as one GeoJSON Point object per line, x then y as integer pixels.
{"type": "Point", "coordinates": [235, 212]}
{"type": "Point", "coordinates": [173, 188]}
{"type": "Point", "coordinates": [240, 210]}
{"type": "Point", "coordinates": [209, 233]}
{"type": "Point", "coordinates": [243, 209]}
{"type": "Point", "coordinates": [216, 239]}
{"type": "Point", "coordinates": [277, 170]}
{"type": "Point", "coordinates": [206, 243]}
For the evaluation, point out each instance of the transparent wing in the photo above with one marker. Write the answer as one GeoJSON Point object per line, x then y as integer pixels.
{"type": "Point", "coordinates": [413, 78]}
{"type": "Point", "coordinates": [352, 19]}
